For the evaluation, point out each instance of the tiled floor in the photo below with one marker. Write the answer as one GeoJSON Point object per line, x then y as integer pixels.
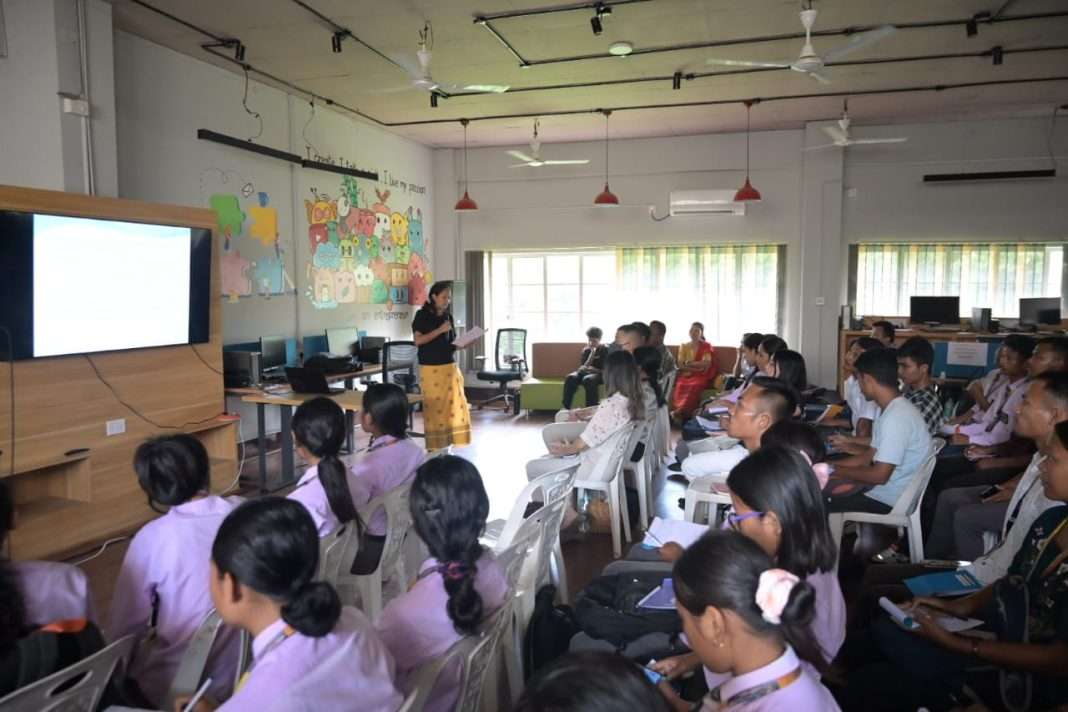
{"type": "Point", "coordinates": [502, 444]}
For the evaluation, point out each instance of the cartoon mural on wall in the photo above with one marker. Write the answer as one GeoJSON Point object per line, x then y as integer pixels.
{"type": "Point", "coordinates": [364, 255]}
{"type": "Point", "coordinates": [246, 222]}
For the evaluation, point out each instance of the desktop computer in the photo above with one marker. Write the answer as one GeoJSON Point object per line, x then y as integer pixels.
{"type": "Point", "coordinates": [272, 357]}
{"type": "Point", "coordinates": [1040, 311]}
{"type": "Point", "coordinates": [241, 368]}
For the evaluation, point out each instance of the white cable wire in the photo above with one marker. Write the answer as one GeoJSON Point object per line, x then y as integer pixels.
{"type": "Point", "coordinates": [101, 550]}
{"type": "Point", "coordinates": [241, 463]}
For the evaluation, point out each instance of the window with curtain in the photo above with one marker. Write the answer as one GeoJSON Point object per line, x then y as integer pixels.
{"type": "Point", "coordinates": [557, 295]}
{"type": "Point", "coordinates": [994, 275]}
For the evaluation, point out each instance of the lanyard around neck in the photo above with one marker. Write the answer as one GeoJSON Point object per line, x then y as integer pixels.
{"type": "Point", "coordinates": [751, 694]}
{"type": "Point", "coordinates": [282, 637]}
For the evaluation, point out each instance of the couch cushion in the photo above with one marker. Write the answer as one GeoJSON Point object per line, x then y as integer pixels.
{"type": "Point", "coordinates": [555, 359]}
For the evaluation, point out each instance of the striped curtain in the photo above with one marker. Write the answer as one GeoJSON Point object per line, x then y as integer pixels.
{"type": "Point", "coordinates": [731, 289]}
{"type": "Point", "coordinates": [994, 275]}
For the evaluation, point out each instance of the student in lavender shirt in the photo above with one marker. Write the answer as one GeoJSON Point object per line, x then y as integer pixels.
{"type": "Point", "coordinates": [165, 572]}
{"type": "Point", "coordinates": [328, 489]}
{"type": "Point", "coordinates": [751, 621]}
{"type": "Point", "coordinates": [308, 652]}
{"type": "Point", "coordinates": [590, 681]}
{"type": "Point", "coordinates": [778, 504]}
{"type": "Point", "coordinates": [54, 591]}
{"type": "Point", "coordinates": [457, 588]}
{"type": "Point", "coordinates": [389, 462]}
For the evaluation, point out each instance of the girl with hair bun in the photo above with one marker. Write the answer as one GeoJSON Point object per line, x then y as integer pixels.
{"type": "Point", "coordinates": [307, 651]}
{"type": "Point", "coordinates": [459, 587]}
{"type": "Point", "coordinates": [164, 577]}
{"type": "Point", "coordinates": [328, 489]}
{"type": "Point", "coordinates": [751, 621]}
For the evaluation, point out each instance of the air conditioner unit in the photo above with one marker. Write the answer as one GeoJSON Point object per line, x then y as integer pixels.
{"type": "Point", "coordinates": [704, 202]}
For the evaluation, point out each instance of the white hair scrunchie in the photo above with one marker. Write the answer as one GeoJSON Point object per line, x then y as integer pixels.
{"type": "Point", "coordinates": [773, 592]}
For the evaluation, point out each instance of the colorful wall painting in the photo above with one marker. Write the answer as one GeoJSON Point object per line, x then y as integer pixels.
{"type": "Point", "coordinates": [365, 254]}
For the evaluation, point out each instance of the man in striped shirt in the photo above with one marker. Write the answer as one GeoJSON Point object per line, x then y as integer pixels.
{"type": "Point", "coordinates": [915, 359]}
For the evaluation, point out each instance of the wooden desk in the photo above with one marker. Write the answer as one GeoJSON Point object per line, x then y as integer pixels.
{"type": "Point", "coordinates": [350, 401]}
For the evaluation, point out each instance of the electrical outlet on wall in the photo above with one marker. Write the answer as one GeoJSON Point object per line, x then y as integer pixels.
{"type": "Point", "coordinates": [116, 427]}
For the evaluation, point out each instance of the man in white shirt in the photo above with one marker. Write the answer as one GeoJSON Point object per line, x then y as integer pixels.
{"type": "Point", "coordinates": [863, 412]}
{"type": "Point", "coordinates": [764, 403]}
{"type": "Point", "coordinates": [994, 424]}
{"type": "Point", "coordinates": [900, 442]}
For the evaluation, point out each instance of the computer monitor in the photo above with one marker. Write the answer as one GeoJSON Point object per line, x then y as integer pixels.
{"type": "Point", "coordinates": [1040, 310]}
{"type": "Point", "coordinates": [939, 310]}
{"type": "Point", "coordinates": [340, 341]}
{"type": "Point", "coordinates": [980, 319]}
{"type": "Point", "coordinates": [272, 353]}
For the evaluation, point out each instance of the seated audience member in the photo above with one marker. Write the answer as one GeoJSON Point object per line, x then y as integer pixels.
{"type": "Point", "coordinates": [328, 489]}
{"type": "Point", "coordinates": [766, 402]}
{"type": "Point", "coordinates": [789, 367]}
{"type": "Point", "coordinates": [645, 333]}
{"type": "Point", "coordinates": [899, 444]}
{"type": "Point", "coordinates": [628, 338]}
{"type": "Point", "coordinates": [648, 362]}
{"type": "Point", "coordinates": [590, 681]}
{"type": "Point", "coordinates": [914, 361]}
{"type": "Point", "coordinates": [308, 652]}
{"type": "Point", "coordinates": [667, 361]}
{"type": "Point", "coordinates": [1027, 611]}
{"type": "Point", "coordinates": [456, 589]}
{"type": "Point", "coordinates": [162, 591]}
{"type": "Point", "coordinates": [625, 404]}
{"type": "Point", "coordinates": [862, 411]}
{"type": "Point", "coordinates": [778, 504]}
{"type": "Point", "coordinates": [696, 369]}
{"type": "Point", "coordinates": [745, 359]}
{"type": "Point", "coordinates": [389, 462]}
{"type": "Point", "coordinates": [34, 645]}
{"type": "Point", "coordinates": [994, 425]}
{"type": "Point", "coordinates": [588, 375]}
{"type": "Point", "coordinates": [883, 332]}
{"type": "Point", "coordinates": [751, 622]}
{"type": "Point", "coordinates": [982, 389]}
{"type": "Point", "coordinates": [964, 513]}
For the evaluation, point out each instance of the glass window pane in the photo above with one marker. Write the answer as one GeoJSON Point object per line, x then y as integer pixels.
{"type": "Point", "coordinates": [562, 269]}
{"type": "Point", "coordinates": [528, 299]}
{"type": "Point", "coordinates": [563, 297]}
{"type": "Point", "coordinates": [565, 326]}
{"type": "Point", "coordinates": [599, 269]}
{"type": "Point", "coordinates": [527, 270]}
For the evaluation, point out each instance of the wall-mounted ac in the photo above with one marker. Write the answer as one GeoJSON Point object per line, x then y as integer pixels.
{"type": "Point", "coordinates": [704, 202]}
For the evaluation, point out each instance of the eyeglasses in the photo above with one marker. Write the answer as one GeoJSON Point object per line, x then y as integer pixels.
{"type": "Point", "coordinates": [734, 520]}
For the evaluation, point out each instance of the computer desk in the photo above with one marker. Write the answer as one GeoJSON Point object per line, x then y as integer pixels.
{"type": "Point", "coordinates": [350, 401]}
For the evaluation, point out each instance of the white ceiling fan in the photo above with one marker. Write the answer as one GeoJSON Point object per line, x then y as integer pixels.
{"type": "Point", "coordinates": [534, 159]}
{"type": "Point", "coordinates": [841, 138]}
{"type": "Point", "coordinates": [421, 78]}
{"type": "Point", "coordinates": [809, 62]}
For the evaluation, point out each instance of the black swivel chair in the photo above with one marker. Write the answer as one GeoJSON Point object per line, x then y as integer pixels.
{"type": "Point", "coordinates": [400, 360]}
{"type": "Point", "coordinates": [510, 359]}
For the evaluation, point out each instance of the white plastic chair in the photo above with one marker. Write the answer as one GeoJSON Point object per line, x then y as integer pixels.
{"type": "Point", "coordinates": [337, 554]}
{"type": "Point", "coordinates": [391, 566]}
{"type": "Point", "coordinates": [77, 688]}
{"type": "Point", "coordinates": [906, 511]}
{"type": "Point", "coordinates": [662, 429]}
{"type": "Point", "coordinates": [606, 478]}
{"type": "Point", "coordinates": [641, 471]}
{"type": "Point", "coordinates": [197, 653]}
{"type": "Point", "coordinates": [707, 490]}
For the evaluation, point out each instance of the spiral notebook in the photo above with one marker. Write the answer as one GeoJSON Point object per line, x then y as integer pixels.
{"type": "Point", "coordinates": [661, 598]}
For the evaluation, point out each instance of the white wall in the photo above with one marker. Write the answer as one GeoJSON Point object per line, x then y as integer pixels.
{"type": "Point", "coordinates": [806, 202]}
{"type": "Point", "coordinates": [163, 98]}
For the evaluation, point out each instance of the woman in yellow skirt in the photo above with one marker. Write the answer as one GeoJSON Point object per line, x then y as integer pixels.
{"type": "Point", "coordinates": [446, 415]}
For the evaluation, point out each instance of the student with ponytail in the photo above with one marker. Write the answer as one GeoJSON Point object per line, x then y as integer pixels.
{"type": "Point", "coordinates": [161, 595]}
{"type": "Point", "coordinates": [328, 489]}
{"type": "Point", "coordinates": [307, 651]}
{"type": "Point", "coordinates": [752, 622]}
{"type": "Point", "coordinates": [457, 588]}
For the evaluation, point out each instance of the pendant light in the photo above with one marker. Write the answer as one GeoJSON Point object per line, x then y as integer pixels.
{"type": "Point", "coordinates": [465, 204]}
{"type": "Point", "coordinates": [747, 193]}
{"type": "Point", "coordinates": [606, 197]}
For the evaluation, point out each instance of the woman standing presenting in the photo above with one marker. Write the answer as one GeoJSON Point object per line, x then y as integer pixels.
{"type": "Point", "coordinates": [445, 410]}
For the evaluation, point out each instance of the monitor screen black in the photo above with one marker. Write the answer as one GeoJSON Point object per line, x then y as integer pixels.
{"type": "Point", "coordinates": [73, 285]}
{"type": "Point", "coordinates": [1040, 310]}
{"type": "Point", "coordinates": [272, 352]}
{"type": "Point", "coordinates": [941, 310]}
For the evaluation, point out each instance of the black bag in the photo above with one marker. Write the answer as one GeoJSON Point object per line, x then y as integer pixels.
{"type": "Point", "coordinates": [44, 652]}
{"type": "Point", "coordinates": [550, 631]}
{"type": "Point", "coordinates": [607, 608]}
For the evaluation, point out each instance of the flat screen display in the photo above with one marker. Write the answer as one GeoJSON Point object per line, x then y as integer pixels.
{"type": "Point", "coordinates": [72, 285]}
{"type": "Point", "coordinates": [1040, 310]}
{"type": "Point", "coordinates": [941, 310]}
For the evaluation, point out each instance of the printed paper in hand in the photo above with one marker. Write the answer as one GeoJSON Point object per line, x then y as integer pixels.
{"type": "Point", "coordinates": [946, 622]}
{"type": "Point", "coordinates": [683, 533]}
{"type": "Point", "coordinates": [468, 337]}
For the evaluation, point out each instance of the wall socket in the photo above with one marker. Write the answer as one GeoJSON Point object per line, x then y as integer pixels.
{"type": "Point", "coordinates": [116, 427]}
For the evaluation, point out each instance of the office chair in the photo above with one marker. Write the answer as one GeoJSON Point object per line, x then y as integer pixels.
{"type": "Point", "coordinates": [510, 358]}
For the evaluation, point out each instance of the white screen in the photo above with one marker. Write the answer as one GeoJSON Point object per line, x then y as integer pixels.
{"type": "Point", "coordinates": [100, 285]}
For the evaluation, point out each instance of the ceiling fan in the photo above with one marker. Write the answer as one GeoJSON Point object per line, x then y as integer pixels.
{"type": "Point", "coordinates": [419, 72]}
{"type": "Point", "coordinates": [840, 135]}
{"type": "Point", "coordinates": [534, 159]}
{"type": "Point", "coordinates": [809, 62]}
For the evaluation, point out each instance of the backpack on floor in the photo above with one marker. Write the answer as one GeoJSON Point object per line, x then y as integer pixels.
{"type": "Point", "coordinates": [607, 609]}
{"type": "Point", "coordinates": [550, 631]}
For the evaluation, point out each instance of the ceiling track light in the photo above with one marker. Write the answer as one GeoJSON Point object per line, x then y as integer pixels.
{"type": "Point", "coordinates": [971, 27]}
{"type": "Point", "coordinates": [600, 11]}
{"type": "Point", "coordinates": [676, 81]}
{"type": "Point", "coordinates": [239, 51]}
{"type": "Point", "coordinates": [998, 55]}
{"type": "Point", "coordinates": [335, 42]}
{"type": "Point", "coordinates": [433, 100]}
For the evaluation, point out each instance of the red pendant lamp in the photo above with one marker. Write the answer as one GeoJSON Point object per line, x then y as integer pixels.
{"type": "Point", "coordinates": [606, 197]}
{"type": "Point", "coordinates": [747, 193]}
{"type": "Point", "coordinates": [465, 204]}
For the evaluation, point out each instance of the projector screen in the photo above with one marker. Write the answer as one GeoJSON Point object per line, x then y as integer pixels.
{"type": "Point", "coordinates": [82, 285]}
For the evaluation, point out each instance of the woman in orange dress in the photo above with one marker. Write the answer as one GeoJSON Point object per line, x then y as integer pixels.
{"type": "Point", "coordinates": [697, 368]}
